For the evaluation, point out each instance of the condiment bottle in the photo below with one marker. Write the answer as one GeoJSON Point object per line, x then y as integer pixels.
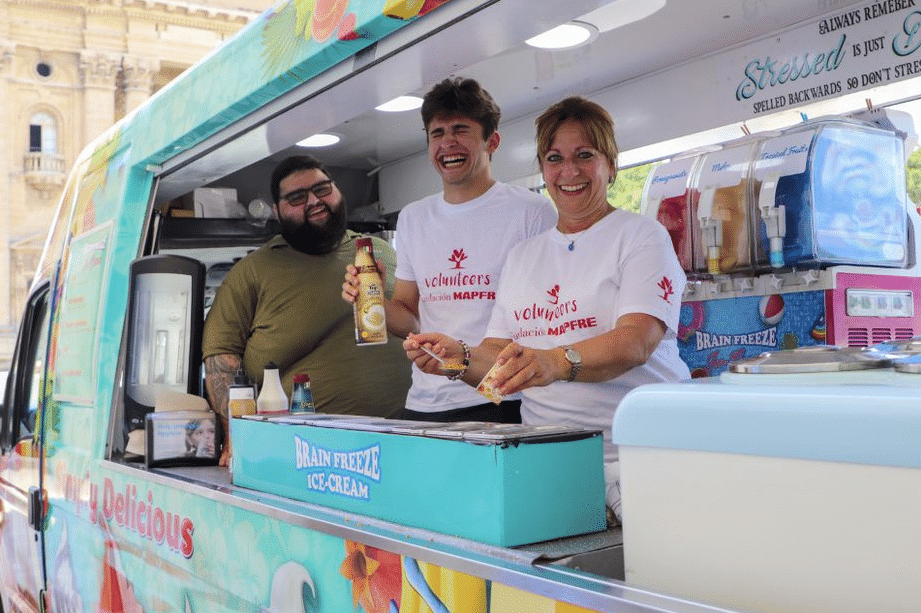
{"type": "Point", "coordinates": [370, 319]}
{"type": "Point", "coordinates": [301, 396]}
{"type": "Point", "coordinates": [272, 397]}
{"type": "Point", "coordinates": [241, 396]}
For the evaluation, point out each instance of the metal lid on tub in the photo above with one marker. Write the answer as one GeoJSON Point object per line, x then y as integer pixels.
{"type": "Point", "coordinates": [812, 359]}
{"type": "Point", "coordinates": [908, 364]}
{"type": "Point", "coordinates": [904, 353]}
{"type": "Point", "coordinates": [481, 433]}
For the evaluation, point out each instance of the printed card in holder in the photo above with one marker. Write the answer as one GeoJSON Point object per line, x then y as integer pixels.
{"type": "Point", "coordinates": [177, 438]}
{"type": "Point", "coordinates": [487, 386]}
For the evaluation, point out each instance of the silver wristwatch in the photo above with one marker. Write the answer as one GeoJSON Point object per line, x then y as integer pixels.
{"type": "Point", "coordinates": [575, 360]}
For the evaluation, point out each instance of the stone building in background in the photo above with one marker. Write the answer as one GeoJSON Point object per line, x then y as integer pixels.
{"type": "Point", "coordinates": [68, 70]}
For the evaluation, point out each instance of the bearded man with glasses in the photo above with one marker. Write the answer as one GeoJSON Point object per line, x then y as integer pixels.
{"type": "Point", "coordinates": [281, 304]}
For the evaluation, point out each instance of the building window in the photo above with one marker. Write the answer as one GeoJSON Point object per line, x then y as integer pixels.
{"type": "Point", "coordinates": [43, 165]}
{"type": "Point", "coordinates": [43, 134]}
{"type": "Point", "coordinates": [43, 69]}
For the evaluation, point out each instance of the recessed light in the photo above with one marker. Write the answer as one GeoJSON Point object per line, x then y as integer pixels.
{"type": "Point", "coordinates": [319, 140]}
{"type": "Point", "coordinates": [401, 103]}
{"type": "Point", "coordinates": [565, 36]}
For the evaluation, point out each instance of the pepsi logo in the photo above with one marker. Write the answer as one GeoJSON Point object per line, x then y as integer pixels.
{"type": "Point", "coordinates": [771, 309]}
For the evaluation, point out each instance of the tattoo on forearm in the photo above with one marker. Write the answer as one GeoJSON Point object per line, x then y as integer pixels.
{"type": "Point", "coordinates": [219, 372]}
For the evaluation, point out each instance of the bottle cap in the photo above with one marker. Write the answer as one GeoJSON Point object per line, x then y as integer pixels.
{"type": "Point", "coordinates": [363, 242]}
{"type": "Point", "coordinates": [240, 378]}
{"type": "Point", "coordinates": [270, 366]}
{"type": "Point", "coordinates": [301, 377]}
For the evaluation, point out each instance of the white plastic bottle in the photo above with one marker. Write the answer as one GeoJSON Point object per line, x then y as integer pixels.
{"type": "Point", "coordinates": [272, 397]}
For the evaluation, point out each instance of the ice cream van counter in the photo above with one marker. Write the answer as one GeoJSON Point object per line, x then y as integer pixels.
{"type": "Point", "coordinates": [791, 483]}
{"type": "Point", "coordinates": [575, 560]}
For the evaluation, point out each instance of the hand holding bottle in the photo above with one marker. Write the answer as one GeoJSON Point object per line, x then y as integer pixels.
{"type": "Point", "coordinates": [351, 283]}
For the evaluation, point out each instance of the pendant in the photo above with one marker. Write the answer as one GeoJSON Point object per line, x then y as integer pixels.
{"type": "Point", "coordinates": [572, 245]}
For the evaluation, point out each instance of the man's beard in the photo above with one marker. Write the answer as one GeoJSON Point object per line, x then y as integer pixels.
{"type": "Point", "coordinates": [316, 240]}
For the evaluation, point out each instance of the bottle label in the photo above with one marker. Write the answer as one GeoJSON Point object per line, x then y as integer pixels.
{"type": "Point", "coordinates": [370, 323]}
{"type": "Point", "coordinates": [241, 401]}
{"type": "Point", "coordinates": [302, 400]}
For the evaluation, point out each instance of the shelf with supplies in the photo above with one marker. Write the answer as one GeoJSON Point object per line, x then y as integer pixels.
{"type": "Point", "coordinates": [196, 232]}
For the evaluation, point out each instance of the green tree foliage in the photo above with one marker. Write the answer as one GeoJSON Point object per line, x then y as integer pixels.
{"type": "Point", "coordinates": [627, 191]}
{"type": "Point", "coordinates": [913, 177]}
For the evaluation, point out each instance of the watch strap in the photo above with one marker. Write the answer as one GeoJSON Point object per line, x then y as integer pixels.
{"type": "Point", "coordinates": [575, 365]}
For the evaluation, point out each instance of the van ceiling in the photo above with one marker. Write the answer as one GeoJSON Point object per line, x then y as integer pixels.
{"type": "Point", "coordinates": [483, 40]}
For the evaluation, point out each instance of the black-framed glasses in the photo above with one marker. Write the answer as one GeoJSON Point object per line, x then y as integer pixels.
{"type": "Point", "coordinates": [299, 196]}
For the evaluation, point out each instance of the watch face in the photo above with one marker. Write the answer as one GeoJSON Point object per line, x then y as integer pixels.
{"type": "Point", "coordinates": [573, 356]}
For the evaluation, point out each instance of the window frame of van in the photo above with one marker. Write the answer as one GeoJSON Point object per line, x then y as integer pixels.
{"type": "Point", "coordinates": [31, 346]}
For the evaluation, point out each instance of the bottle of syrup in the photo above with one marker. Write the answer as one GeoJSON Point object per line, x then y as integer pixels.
{"type": "Point", "coordinates": [370, 319]}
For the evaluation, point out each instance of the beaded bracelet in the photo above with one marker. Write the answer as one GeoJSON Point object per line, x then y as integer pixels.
{"type": "Point", "coordinates": [463, 371]}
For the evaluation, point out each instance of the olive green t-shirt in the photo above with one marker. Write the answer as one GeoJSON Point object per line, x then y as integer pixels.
{"type": "Point", "coordinates": [281, 305]}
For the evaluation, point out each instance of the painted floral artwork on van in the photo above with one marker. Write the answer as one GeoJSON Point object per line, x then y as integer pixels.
{"type": "Point", "coordinates": [331, 26]}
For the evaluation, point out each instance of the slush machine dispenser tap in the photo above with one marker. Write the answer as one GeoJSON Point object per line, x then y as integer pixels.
{"type": "Point", "coordinates": [775, 219]}
{"type": "Point", "coordinates": [711, 229]}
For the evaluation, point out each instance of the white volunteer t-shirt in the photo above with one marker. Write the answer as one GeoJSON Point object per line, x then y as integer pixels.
{"type": "Point", "coordinates": [550, 296]}
{"type": "Point", "coordinates": [454, 253]}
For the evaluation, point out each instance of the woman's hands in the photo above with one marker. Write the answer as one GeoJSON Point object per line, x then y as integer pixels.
{"type": "Point", "coordinates": [519, 367]}
{"type": "Point", "coordinates": [524, 367]}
